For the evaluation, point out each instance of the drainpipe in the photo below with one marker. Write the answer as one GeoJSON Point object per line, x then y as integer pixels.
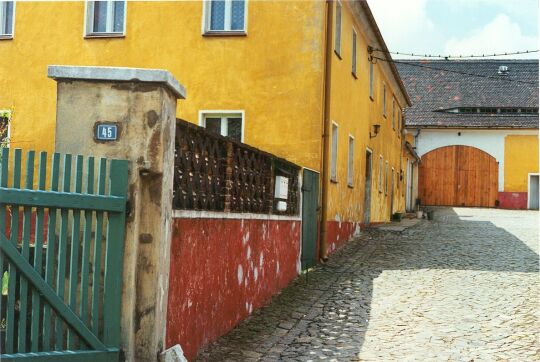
{"type": "Point", "coordinates": [326, 127]}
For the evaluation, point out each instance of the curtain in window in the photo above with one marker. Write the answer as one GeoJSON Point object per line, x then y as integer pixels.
{"type": "Point", "coordinates": [7, 20]}
{"type": "Point", "coordinates": [217, 15]}
{"type": "Point", "coordinates": [119, 8]}
{"type": "Point", "coordinates": [100, 17]}
{"type": "Point", "coordinates": [237, 14]}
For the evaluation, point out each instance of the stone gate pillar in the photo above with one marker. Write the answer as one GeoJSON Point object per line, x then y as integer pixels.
{"type": "Point", "coordinates": [130, 113]}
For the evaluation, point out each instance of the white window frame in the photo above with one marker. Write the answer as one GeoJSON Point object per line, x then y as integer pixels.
{"type": "Point", "coordinates": [334, 147]}
{"type": "Point", "coordinates": [337, 28]}
{"type": "Point", "coordinates": [109, 33]}
{"type": "Point", "coordinates": [9, 125]}
{"type": "Point", "coordinates": [203, 114]}
{"type": "Point", "coordinates": [386, 179]}
{"type": "Point", "coordinates": [381, 165]}
{"type": "Point", "coordinates": [350, 162]}
{"type": "Point", "coordinates": [354, 57]}
{"type": "Point", "coordinates": [384, 100]}
{"type": "Point", "coordinates": [207, 15]}
{"type": "Point", "coordinates": [11, 35]}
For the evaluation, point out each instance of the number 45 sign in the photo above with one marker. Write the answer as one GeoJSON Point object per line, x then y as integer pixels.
{"type": "Point", "coordinates": [106, 132]}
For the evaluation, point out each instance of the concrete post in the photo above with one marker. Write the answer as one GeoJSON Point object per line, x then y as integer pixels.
{"type": "Point", "coordinates": [142, 104]}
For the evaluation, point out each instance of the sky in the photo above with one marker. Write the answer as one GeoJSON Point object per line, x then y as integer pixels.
{"type": "Point", "coordinates": [456, 27]}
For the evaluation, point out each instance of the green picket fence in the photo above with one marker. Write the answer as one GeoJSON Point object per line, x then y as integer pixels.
{"type": "Point", "coordinates": [61, 252]}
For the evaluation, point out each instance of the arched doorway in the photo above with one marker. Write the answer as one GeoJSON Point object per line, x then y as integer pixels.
{"type": "Point", "coordinates": [458, 176]}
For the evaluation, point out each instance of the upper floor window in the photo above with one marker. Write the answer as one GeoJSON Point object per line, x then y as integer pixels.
{"type": "Point", "coordinates": [337, 35]}
{"type": "Point", "coordinates": [6, 18]}
{"type": "Point", "coordinates": [105, 18]}
{"type": "Point", "coordinates": [354, 53]}
{"type": "Point", "coordinates": [393, 113]}
{"type": "Point", "coordinates": [384, 100]}
{"type": "Point", "coordinates": [225, 16]}
{"type": "Point", "coordinates": [371, 76]}
{"type": "Point", "coordinates": [225, 124]}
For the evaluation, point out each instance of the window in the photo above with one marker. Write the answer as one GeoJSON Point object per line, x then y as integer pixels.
{"type": "Point", "coordinates": [354, 53]}
{"type": "Point", "coordinates": [334, 145]}
{"type": "Point", "coordinates": [386, 179]}
{"type": "Point", "coordinates": [225, 124]}
{"type": "Point", "coordinates": [350, 166]}
{"type": "Point", "coordinates": [6, 18]}
{"type": "Point", "coordinates": [380, 173]}
{"type": "Point", "coordinates": [337, 35]}
{"type": "Point", "coordinates": [225, 16]}
{"type": "Point", "coordinates": [393, 113]}
{"type": "Point", "coordinates": [5, 117]}
{"type": "Point", "coordinates": [105, 18]}
{"type": "Point", "coordinates": [384, 100]}
{"type": "Point", "coordinates": [371, 75]}
{"type": "Point", "coordinates": [399, 123]}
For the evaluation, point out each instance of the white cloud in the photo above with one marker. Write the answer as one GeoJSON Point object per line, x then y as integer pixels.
{"type": "Point", "coordinates": [404, 24]}
{"type": "Point", "coordinates": [499, 35]}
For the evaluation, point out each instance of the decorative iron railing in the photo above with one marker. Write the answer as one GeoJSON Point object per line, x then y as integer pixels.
{"type": "Point", "coordinates": [216, 173]}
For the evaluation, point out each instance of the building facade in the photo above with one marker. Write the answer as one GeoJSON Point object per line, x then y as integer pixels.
{"type": "Point", "coordinates": [476, 127]}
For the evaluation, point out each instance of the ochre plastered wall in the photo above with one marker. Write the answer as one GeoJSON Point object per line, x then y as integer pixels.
{"type": "Point", "coordinates": [274, 73]}
{"type": "Point", "coordinates": [520, 159]}
{"type": "Point", "coordinates": [355, 112]}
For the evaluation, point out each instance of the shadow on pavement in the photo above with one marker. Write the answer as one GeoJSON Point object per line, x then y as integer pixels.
{"type": "Point", "coordinates": [325, 314]}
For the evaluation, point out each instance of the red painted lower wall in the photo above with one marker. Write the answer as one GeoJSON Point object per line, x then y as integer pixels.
{"type": "Point", "coordinates": [221, 271]}
{"type": "Point", "coordinates": [339, 232]}
{"type": "Point", "coordinates": [513, 200]}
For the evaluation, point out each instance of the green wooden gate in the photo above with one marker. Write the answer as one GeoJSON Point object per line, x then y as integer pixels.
{"type": "Point", "coordinates": [61, 253]}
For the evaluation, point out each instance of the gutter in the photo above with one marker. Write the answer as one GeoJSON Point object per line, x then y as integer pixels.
{"type": "Point", "coordinates": [326, 128]}
{"type": "Point", "coordinates": [412, 151]}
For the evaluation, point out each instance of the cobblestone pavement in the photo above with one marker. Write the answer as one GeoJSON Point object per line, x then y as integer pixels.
{"type": "Point", "coordinates": [463, 287]}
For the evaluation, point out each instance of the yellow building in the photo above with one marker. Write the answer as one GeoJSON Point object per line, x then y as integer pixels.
{"type": "Point", "coordinates": [294, 78]}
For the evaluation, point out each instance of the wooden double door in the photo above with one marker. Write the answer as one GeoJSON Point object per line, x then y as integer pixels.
{"type": "Point", "coordinates": [458, 176]}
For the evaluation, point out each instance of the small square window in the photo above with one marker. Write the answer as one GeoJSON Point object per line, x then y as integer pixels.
{"type": "Point", "coordinates": [225, 16]}
{"type": "Point", "coordinates": [7, 9]}
{"type": "Point", "coordinates": [225, 124]}
{"type": "Point", "coordinates": [105, 18]}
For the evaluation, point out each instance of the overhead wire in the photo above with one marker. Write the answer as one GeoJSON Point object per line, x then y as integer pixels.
{"type": "Point", "coordinates": [500, 78]}
{"type": "Point", "coordinates": [447, 57]}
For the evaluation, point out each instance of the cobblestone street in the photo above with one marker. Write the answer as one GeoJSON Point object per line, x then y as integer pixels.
{"type": "Point", "coordinates": [462, 287]}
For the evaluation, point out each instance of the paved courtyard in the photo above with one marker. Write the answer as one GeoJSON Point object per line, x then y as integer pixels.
{"type": "Point", "coordinates": [463, 287]}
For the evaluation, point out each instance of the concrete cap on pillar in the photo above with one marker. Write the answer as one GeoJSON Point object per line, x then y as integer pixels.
{"type": "Point", "coordinates": [119, 74]}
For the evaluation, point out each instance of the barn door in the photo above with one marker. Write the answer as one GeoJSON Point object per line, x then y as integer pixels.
{"type": "Point", "coordinates": [458, 176]}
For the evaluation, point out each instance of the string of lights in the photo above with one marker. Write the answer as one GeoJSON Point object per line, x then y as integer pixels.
{"type": "Point", "coordinates": [499, 78]}
{"type": "Point", "coordinates": [447, 57]}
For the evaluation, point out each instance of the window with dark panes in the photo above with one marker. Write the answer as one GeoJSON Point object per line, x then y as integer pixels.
{"type": "Point", "coordinates": [228, 125]}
